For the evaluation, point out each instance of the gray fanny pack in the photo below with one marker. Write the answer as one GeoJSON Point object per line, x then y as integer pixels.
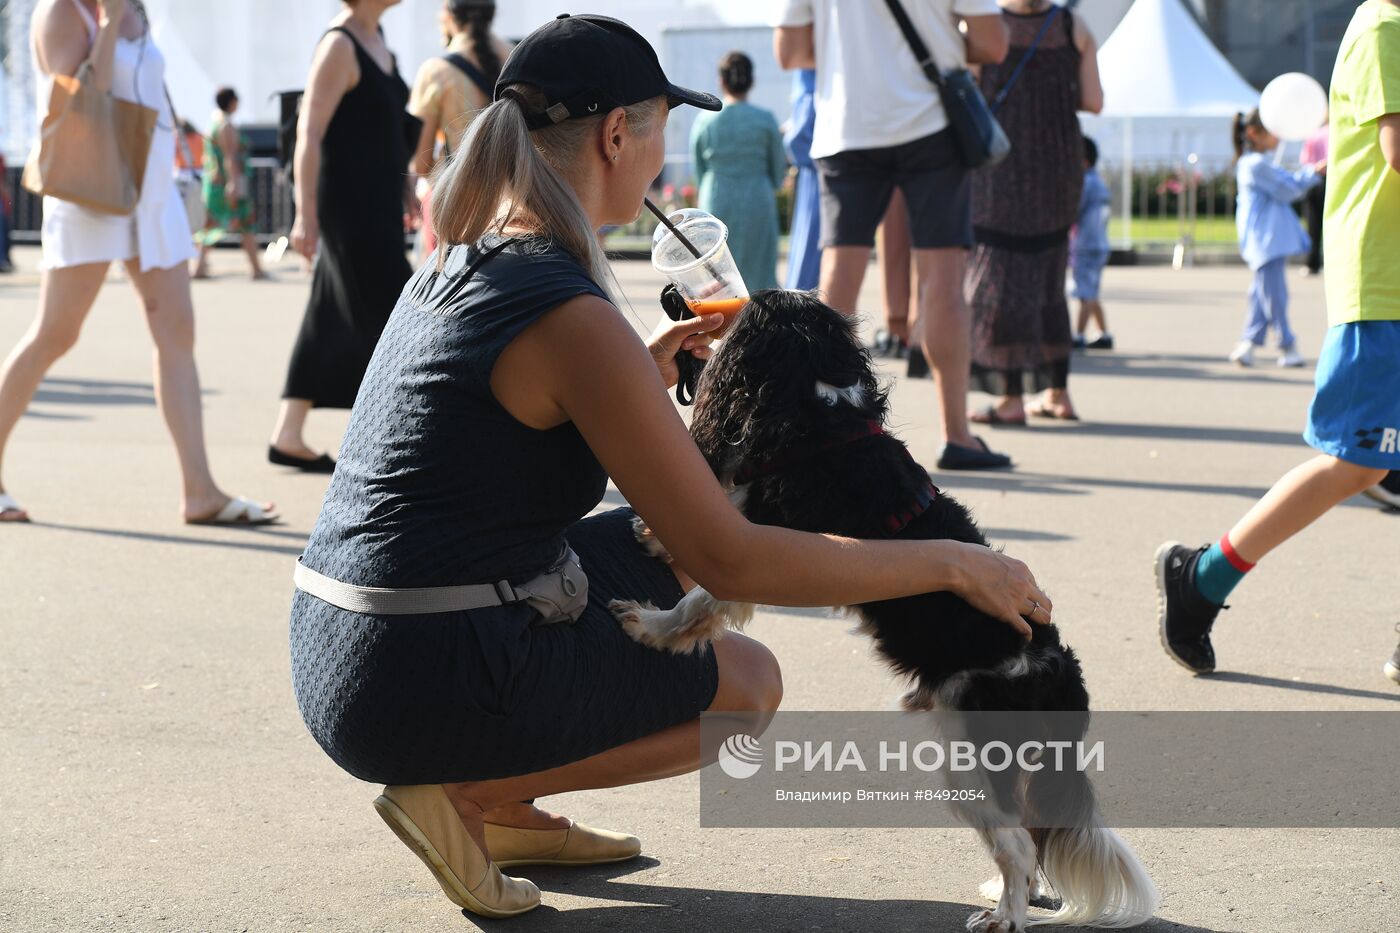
{"type": "Point", "coordinates": [557, 595]}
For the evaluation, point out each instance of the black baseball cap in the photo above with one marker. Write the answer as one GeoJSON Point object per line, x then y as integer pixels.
{"type": "Point", "coordinates": [587, 65]}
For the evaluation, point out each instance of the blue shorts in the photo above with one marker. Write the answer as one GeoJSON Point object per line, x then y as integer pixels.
{"type": "Point", "coordinates": [1087, 268]}
{"type": "Point", "coordinates": [1355, 413]}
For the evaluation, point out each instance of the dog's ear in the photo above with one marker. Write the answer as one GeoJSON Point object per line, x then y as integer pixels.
{"type": "Point", "coordinates": [761, 388]}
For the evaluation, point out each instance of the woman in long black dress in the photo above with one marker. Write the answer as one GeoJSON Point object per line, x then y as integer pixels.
{"type": "Point", "coordinates": [351, 195]}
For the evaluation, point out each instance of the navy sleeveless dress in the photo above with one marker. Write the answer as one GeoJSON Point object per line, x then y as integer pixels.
{"type": "Point", "coordinates": [437, 485]}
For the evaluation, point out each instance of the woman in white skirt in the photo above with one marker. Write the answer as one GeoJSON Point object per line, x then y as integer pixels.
{"type": "Point", "coordinates": [154, 242]}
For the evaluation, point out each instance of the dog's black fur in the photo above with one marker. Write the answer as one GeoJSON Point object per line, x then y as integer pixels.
{"type": "Point", "coordinates": [756, 404]}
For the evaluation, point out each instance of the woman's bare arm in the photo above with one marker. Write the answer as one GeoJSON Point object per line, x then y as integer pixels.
{"type": "Point", "coordinates": [233, 158]}
{"type": "Point", "coordinates": [334, 71]}
{"type": "Point", "coordinates": [1090, 87]}
{"type": "Point", "coordinates": [61, 39]}
{"type": "Point", "coordinates": [583, 362]}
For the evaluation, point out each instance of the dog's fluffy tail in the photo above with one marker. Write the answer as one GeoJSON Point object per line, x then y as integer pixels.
{"type": "Point", "coordinates": [1098, 878]}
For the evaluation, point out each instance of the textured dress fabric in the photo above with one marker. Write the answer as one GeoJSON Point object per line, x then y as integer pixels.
{"type": "Point", "coordinates": [1022, 210]}
{"type": "Point", "coordinates": [739, 157]}
{"type": "Point", "coordinates": [157, 233]}
{"type": "Point", "coordinates": [437, 485]}
{"type": "Point", "coordinates": [362, 263]}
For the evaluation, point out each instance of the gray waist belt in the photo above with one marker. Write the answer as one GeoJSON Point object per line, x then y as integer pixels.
{"type": "Point", "coordinates": [558, 595]}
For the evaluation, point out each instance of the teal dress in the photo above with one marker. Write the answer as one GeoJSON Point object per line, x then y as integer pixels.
{"type": "Point", "coordinates": [738, 156]}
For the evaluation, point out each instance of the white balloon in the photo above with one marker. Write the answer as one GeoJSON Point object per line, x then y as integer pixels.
{"type": "Point", "coordinates": [1293, 105]}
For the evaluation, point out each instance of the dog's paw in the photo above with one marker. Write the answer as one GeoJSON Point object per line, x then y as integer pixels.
{"type": "Point", "coordinates": [990, 921]}
{"type": "Point", "coordinates": [651, 544]}
{"type": "Point", "coordinates": [1042, 895]}
{"type": "Point", "coordinates": [665, 629]}
{"type": "Point", "coordinates": [631, 615]}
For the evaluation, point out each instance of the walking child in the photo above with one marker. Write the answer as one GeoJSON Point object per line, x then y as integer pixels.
{"type": "Point", "coordinates": [1269, 233]}
{"type": "Point", "coordinates": [1088, 252]}
{"type": "Point", "coordinates": [1354, 421]}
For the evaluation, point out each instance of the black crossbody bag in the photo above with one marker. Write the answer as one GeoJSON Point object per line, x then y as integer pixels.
{"type": "Point", "coordinates": [980, 137]}
{"type": "Point", "coordinates": [981, 140]}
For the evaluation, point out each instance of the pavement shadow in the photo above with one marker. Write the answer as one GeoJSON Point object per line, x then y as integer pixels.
{"type": "Point", "coordinates": [1046, 484]}
{"type": "Point", "coordinates": [663, 909]}
{"type": "Point", "coordinates": [1258, 680]}
{"type": "Point", "coordinates": [1024, 534]}
{"type": "Point", "coordinates": [99, 392]}
{"type": "Point", "coordinates": [94, 392]}
{"type": "Point", "coordinates": [1167, 366]}
{"type": "Point", "coordinates": [1184, 432]}
{"type": "Point", "coordinates": [253, 531]}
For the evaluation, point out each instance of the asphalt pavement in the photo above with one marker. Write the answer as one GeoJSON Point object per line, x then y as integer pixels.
{"type": "Point", "coordinates": [157, 776]}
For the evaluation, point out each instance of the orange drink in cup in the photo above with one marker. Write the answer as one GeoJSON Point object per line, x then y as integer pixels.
{"type": "Point", "coordinates": [726, 306]}
{"type": "Point", "coordinates": [710, 283]}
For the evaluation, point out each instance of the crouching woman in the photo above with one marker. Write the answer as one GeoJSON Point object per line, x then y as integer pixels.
{"type": "Point", "coordinates": [450, 636]}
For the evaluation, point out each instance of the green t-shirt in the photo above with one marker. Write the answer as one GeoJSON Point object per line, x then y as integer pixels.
{"type": "Point", "coordinates": [1361, 226]}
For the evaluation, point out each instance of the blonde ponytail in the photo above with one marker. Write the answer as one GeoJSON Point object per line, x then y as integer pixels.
{"type": "Point", "coordinates": [503, 173]}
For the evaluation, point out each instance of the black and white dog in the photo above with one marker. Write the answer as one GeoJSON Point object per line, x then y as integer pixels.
{"type": "Point", "coordinates": [790, 416]}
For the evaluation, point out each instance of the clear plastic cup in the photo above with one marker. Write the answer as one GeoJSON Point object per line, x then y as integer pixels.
{"type": "Point", "coordinates": [710, 283]}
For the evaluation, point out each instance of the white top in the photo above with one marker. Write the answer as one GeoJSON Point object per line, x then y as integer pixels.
{"type": "Point", "coordinates": [871, 92]}
{"type": "Point", "coordinates": [157, 232]}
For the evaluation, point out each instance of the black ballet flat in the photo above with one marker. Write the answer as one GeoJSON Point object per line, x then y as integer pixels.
{"type": "Point", "coordinates": [322, 464]}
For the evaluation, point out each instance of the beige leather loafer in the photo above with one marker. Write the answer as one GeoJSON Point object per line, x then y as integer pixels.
{"type": "Point", "coordinates": [577, 845]}
{"type": "Point", "coordinates": [423, 817]}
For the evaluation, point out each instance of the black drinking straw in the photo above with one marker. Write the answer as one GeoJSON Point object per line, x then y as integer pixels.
{"type": "Point", "coordinates": [675, 231]}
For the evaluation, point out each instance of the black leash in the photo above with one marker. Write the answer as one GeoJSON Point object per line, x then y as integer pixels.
{"type": "Point", "coordinates": [688, 366]}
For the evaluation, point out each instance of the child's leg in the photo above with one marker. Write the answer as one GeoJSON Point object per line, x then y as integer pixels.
{"type": "Point", "coordinates": [1085, 310]}
{"type": "Point", "coordinates": [1273, 280]}
{"type": "Point", "coordinates": [1095, 308]}
{"type": "Point", "coordinates": [1256, 319]}
{"type": "Point", "coordinates": [1305, 494]}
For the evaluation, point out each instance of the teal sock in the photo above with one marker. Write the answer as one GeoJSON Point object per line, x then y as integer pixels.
{"type": "Point", "coordinates": [1217, 574]}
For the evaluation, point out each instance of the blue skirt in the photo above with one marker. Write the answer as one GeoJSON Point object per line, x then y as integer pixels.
{"type": "Point", "coordinates": [469, 696]}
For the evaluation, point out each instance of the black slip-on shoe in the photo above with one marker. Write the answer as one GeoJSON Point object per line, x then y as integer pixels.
{"type": "Point", "coordinates": [917, 367]}
{"type": "Point", "coordinates": [1184, 616]}
{"type": "Point", "coordinates": [981, 457]}
{"type": "Point", "coordinates": [322, 464]}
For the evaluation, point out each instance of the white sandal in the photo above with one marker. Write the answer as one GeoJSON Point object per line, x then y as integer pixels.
{"type": "Point", "coordinates": [238, 511]}
{"type": "Point", "coordinates": [8, 504]}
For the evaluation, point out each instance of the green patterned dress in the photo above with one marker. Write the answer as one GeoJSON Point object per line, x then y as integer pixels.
{"type": "Point", "coordinates": [222, 216]}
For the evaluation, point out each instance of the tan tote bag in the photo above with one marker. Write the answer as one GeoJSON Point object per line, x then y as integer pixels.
{"type": "Point", "coordinates": [92, 146]}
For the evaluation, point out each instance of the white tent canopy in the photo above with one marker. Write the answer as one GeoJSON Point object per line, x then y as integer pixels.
{"type": "Point", "coordinates": [1158, 63]}
{"type": "Point", "coordinates": [1168, 94]}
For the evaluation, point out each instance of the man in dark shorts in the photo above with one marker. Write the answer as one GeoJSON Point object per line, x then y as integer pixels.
{"type": "Point", "coordinates": [880, 124]}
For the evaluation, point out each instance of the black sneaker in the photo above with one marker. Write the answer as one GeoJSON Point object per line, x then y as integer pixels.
{"type": "Point", "coordinates": [1387, 491]}
{"type": "Point", "coordinates": [1392, 667]}
{"type": "Point", "coordinates": [1184, 616]}
{"type": "Point", "coordinates": [1102, 342]}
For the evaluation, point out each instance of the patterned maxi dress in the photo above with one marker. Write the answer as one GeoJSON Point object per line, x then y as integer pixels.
{"type": "Point", "coordinates": [1022, 210]}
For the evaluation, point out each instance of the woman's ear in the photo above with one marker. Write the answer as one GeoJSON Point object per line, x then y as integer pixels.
{"type": "Point", "coordinates": [614, 134]}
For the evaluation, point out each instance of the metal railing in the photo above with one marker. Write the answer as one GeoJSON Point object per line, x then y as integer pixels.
{"type": "Point", "coordinates": [1174, 204]}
